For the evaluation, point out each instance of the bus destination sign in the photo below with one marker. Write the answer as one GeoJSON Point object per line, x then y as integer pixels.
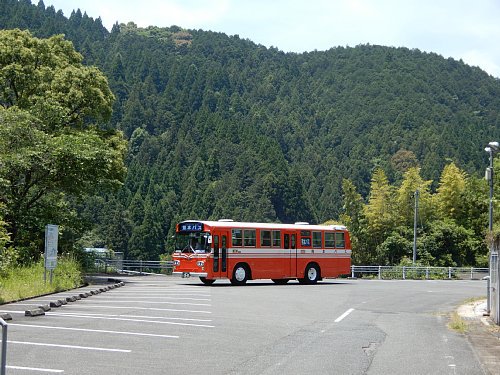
{"type": "Point", "coordinates": [191, 227]}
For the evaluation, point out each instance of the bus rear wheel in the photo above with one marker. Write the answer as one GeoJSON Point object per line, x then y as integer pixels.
{"type": "Point", "coordinates": [206, 281]}
{"type": "Point", "coordinates": [311, 275]}
{"type": "Point", "coordinates": [241, 274]}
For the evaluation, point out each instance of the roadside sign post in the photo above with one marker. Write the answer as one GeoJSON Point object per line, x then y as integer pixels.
{"type": "Point", "coordinates": [51, 237]}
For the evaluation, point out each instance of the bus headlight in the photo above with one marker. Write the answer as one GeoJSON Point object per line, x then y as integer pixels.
{"type": "Point", "coordinates": [200, 263]}
{"type": "Point", "coordinates": [177, 262]}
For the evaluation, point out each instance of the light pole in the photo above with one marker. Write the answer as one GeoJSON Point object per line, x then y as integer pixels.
{"type": "Point", "coordinates": [415, 217]}
{"type": "Point", "coordinates": [492, 149]}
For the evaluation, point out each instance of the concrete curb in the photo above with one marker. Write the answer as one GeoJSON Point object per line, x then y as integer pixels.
{"type": "Point", "coordinates": [34, 312]}
{"type": "Point", "coordinates": [5, 316]}
{"type": "Point", "coordinates": [44, 307]}
{"type": "Point", "coordinates": [60, 302]}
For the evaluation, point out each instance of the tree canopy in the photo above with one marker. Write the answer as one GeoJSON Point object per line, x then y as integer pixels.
{"type": "Point", "coordinates": [51, 148]}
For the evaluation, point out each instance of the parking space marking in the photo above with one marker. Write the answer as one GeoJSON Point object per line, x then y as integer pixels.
{"type": "Point", "coordinates": [49, 370]}
{"type": "Point", "coordinates": [166, 294]}
{"type": "Point", "coordinates": [111, 298]}
{"type": "Point", "coordinates": [136, 316]}
{"type": "Point", "coordinates": [155, 302]}
{"type": "Point", "coordinates": [128, 320]}
{"type": "Point", "coordinates": [144, 308]}
{"type": "Point", "coordinates": [69, 346]}
{"type": "Point", "coordinates": [93, 330]}
{"type": "Point", "coordinates": [341, 317]}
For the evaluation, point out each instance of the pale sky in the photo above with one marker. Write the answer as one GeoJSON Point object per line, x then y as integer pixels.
{"type": "Point", "coordinates": [462, 29]}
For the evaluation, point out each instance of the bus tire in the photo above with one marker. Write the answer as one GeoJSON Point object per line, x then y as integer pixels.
{"type": "Point", "coordinates": [280, 281]}
{"type": "Point", "coordinates": [311, 275]}
{"type": "Point", "coordinates": [241, 273]}
{"type": "Point", "coordinates": [206, 281]}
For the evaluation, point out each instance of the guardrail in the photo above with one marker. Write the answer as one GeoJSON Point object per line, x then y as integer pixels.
{"type": "Point", "coordinates": [396, 272]}
{"type": "Point", "coordinates": [389, 272]}
{"type": "Point", "coordinates": [3, 360]}
{"type": "Point", "coordinates": [135, 266]}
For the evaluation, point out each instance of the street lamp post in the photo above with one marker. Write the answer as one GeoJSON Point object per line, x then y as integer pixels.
{"type": "Point", "coordinates": [491, 149]}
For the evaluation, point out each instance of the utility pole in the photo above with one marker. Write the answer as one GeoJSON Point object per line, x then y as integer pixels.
{"type": "Point", "coordinates": [415, 219]}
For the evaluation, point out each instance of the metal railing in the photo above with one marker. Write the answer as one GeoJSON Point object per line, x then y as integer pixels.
{"type": "Point", "coordinates": [388, 272]}
{"type": "Point", "coordinates": [404, 272]}
{"type": "Point", "coordinates": [3, 360]}
{"type": "Point", "coordinates": [135, 266]}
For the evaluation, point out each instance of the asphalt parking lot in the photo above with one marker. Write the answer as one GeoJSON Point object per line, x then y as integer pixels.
{"type": "Point", "coordinates": [159, 324]}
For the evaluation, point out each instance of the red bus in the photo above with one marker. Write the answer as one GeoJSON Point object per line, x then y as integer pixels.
{"type": "Point", "coordinates": [241, 251]}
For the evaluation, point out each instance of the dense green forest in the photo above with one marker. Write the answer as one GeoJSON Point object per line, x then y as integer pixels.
{"type": "Point", "coordinates": [220, 127]}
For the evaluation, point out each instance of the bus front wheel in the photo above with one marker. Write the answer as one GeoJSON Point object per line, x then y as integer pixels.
{"type": "Point", "coordinates": [241, 274]}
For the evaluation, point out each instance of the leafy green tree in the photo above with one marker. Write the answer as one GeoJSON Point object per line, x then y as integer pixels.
{"type": "Point", "coordinates": [449, 195]}
{"type": "Point", "coordinates": [412, 181]}
{"type": "Point", "coordinates": [353, 218]}
{"type": "Point", "coordinates": [49, 148]}
{"type": "Point", "coordinates": [379, 211]}
{"type": "Point", "coordinates": [448, 244]}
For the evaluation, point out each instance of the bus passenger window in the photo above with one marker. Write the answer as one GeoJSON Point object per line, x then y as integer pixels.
{"type": "Point", "coordinates": [317, 239]}
{"type": "Point", "coordinates": [237, 237]}
{"type": "Point", "coordinates": [294, 244]}
{"type": "Point", "coordinates": [329, 240]}
{"type": "Point", "coordinates": [276, 238]}
{"type": "Point", "coordinates": [249, 237]}
{"type": "Point", "coordinates": [339, 240]}
{"type": "Point", "coordinates": [265, 238]}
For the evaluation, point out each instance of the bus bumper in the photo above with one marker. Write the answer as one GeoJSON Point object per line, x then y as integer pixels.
{"type": "Point", "coordinates": [185, 275]}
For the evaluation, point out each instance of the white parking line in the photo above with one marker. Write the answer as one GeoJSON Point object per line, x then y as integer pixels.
{"type": "Point", "coordinates": [343, 315]}
{"type": "Point", "coordinates": [49, 370]}
{"type": "Point", "coordinates": [129, 320]}
{"type": "Point", "coordinates": [163, 294]}
{"type": "Point", "coordinates": [69, 346]}
{"type": "Point", "coordinates": [93, 330]}
{"type": "Point", "coordinates": [135, 316]}
{"type": "Point", "coordinates": [144, 308]}
{"type": "Point", "coordinates": [154, 302]}
{"type": "Point", "coordinates": [164, 297]}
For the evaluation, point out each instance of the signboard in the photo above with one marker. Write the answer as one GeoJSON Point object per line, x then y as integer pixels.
{"type": "Point", "coordinates": [51, 237]}
{"type": "Point", "coordinates": [191, 227]}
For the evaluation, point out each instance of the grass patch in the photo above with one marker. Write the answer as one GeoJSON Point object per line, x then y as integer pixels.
{"type": "Point", "coordinates": [25, 282]}
{"type": "Point", "coordinates": [457, 323]}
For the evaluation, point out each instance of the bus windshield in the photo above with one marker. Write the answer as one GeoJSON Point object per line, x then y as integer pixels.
{"type": "Point", "coordinates": [194, 242]}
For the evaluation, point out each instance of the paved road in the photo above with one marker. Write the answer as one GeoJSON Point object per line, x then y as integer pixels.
{"type": "Point", "coordinates": [159, 325]}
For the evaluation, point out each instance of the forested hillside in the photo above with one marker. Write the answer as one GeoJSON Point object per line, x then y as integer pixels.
{"type": "Point", "coordinates": [220, 127]}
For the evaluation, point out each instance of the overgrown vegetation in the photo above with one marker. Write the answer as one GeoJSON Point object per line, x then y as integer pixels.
{"type": "Point", "coordinates": [21, 282]}
{"type": "Point", "coordinates": [457, 323]}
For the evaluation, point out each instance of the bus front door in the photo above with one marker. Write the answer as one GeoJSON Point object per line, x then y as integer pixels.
{"type": "Point", "coordinates": [220, 255]}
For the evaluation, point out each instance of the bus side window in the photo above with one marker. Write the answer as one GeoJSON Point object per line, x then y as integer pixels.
{"type": "Point", "coordinates": [339, 240]}
{"type": "Point", "coordinates": [286, 241]}
{"type": "Point", "coordinates": [276, 238]}
{"type": "Point", "coordinates": [294, 244]}
{"type": "Point", "coordinates": [265, 238]}
{"type": "Point", "coordinates": [237, 237]}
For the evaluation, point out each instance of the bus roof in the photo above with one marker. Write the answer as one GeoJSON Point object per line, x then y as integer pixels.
{"type": "Point", "coordinates": [254, 225]}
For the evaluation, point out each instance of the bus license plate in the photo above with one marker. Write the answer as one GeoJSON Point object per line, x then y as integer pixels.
{"type": "Point", "coordinates": [186, 275]}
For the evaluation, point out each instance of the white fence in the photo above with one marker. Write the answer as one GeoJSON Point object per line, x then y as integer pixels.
{"type": "Point", "coordinates": [382, 272]}
{"type": "Point", "coordinates": [402, 272]}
